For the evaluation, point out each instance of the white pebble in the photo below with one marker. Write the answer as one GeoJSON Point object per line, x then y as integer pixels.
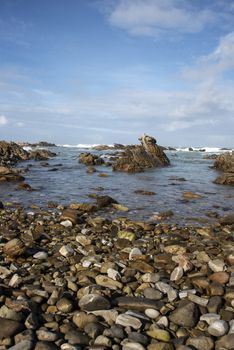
{"type": "Point", "coordinates": [210, 318]}
{"type": "Point", "coordinates": [66, 251]}
{"type": "Point", "coordinates": [40, 256]}
{"type": "Point", "coordinates": [152, 313]}
{"type": "Point", "coordinates": [217, 265]}
{"type": "Point", "coordinates": [177, 273]}
{"type": "Point", "coordinates": [218, 328]}
{"type": "Point", "coordinates": [66, 223]}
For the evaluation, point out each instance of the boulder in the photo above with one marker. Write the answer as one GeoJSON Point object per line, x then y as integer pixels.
{"type": "Point", "coordinates": [137, 158]}
{"type": "Point", "coordinates": [90, 159]}
{"type": "Point", "coordinates": [41, 154]}
{"type": "Point", "coordinates": [9, 174]}
{"type": "Point", "coordinates": [11, 153]}
{"type": "Point", "coordinates": [225, 163]}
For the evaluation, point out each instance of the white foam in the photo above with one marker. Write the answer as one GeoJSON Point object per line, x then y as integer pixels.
{"type": "Point", "coordinates": [204, 149]}
{"type": "Point", "coordinates": [83, 145]}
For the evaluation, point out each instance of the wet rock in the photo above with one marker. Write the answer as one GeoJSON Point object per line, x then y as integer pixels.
{"type": "Point", "coordinates": [71, 215]}
{"type": "Point", "coordinates": [185, 315]}
{"type": "Point", "coordinates": [225, 163]}
{"type": "Point", "coordinates": [140, 157]}
{"type": "Point", "coordinates": [90, 159]}
{"type": "Point", "coordinates": [105, 201]}
{"type": "Point", "coordinates": [220, 277]}
{"type": "Point", "coordinates": [11, 153]}
{"type": "Point", "coordinates": [191, 195]}
{"type": "Point", "coordinates": [9, 174]}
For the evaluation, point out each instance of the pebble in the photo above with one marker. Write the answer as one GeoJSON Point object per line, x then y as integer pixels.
{"type": "Point", "coordinates": [152, 313]}
{"type": "Point", "coordinates": [66, 223]}
{"type": "Point", "coordinates": [177, 273]}
{"type": "Point", "coordinates": [113, 274]}
{"type": "Point", "coordinates": [46, 335]}
{"type": "Point", "coordinates": [64, 305]}
{"type": "Point", "coordinates": [198, 300]}
{"type": "Point", "coordinates": [66, 251]}
{"type": "Point", "coordinates": [201, 343]}
{"type": "Point", "coordinates": [128, 321]}
{"type": "Point", "coordinates": [134, 253]}
{"type": "Point", "coordinates": [150, 277]}
{"type": "Point", "coordinates": [159, 334]}
{"type": "Point", "coordinates": [216, 265]}
{"type": "Point", "coordinates": [218, 328]}
{"type": "Point", "coordinates": [186, 315]}
{"type": "Point", "coordinates": [132, 346]}
{"type": "Point", "coordinates": [92, 302]}
{"type": "Point", "coordinates": [40, 256]}
{"type": "Point", "coordinates": [210, 318]}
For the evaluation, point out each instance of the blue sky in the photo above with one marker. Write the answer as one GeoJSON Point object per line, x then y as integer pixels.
{"type": "Point", "coordinates": [104, 71]}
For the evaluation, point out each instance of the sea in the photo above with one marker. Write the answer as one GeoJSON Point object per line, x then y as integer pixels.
{"type": "Point", "coordinates": [64, 180]}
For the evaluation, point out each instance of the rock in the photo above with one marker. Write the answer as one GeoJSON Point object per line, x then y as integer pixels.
{"type": "Point", "coordinates": [11, 153]}
{"type": "Point", "coordinates": [138, 337]}
{"type": "Point", "coordinates": [137, 303]}
{"type": "Point", "coordinates": [152, 293]}
{"type": "Point", "coordinates": [64, 305]}
{"type": "Point", "coordinates": [90, 159]}
{"type": "Point", "coordinates": [210, 318]}
{"type": "Point", "coordinates": [102, 340]}
{"type": "Point", "coordinates": [76, 337]}
{"type": "Point", "coordinates": [9, 174]}
{"type": "Point", "coordinates": [216, 265]}
{"type": "Point", "coordinates": [94, 329]}
{"type": "Point", "coordinates": [134, 253]}
{"type": "Point", "coordinates": [177, 273]}
{"type": "Point", "coordinates": [14, 247]}
{"type": "Point", "coordinates": [225, 163]}
{"type": "Point", "coordinates": [66, 223]}
{"type": "Point", "coordinates": [152, 313]}
{"type": "Point", "coordinates": [220, 277]}
{"type": "Point", "coordinates": [105, 201]}
{"type": "Point", "coordinates": [66, 251]}
{"type": "Point", "coordinates": [185, 315]}
{"type": "Point", "coordinates": [85, 207]}
{"type": "Point", "coordinates": [41, 154]}
{"type": "Point", "coordinates": [43, 345]}
{"type": "Point", "coordinates": [120, 207]}
{"type": "Point", "coordinates": [81, 319]}
{"type": "Point", "coordinates": [159, 334]}
{"type": "Point", "coordinates": [161, 346]}
{"type": "Point", "coordinates": [9, 328]}
{"type": "Point", "coordinates": [83, 240]}
{"type": "Point", "coordinates": [140, 157]}
{"type": "Point", "coordinates": [130, 345]}
{"type": "Point", "coordinates": [128, 321]}
{"type": "Point", "coordinates": [92, 302]}
{"type": "Point", "coordinates": [23, 345]}
{"type": "Point", "coordinates": [191, 195]}
{"type": "Point", "coordinates": [71, 215]}
{"type": "Point", "coordinates": [145, 193]}
{"type": "Point", "coordinates": [108, 282]}
{"type": "Point", "coordinates": [226, 342]}
{"type": "Point", "coordinates": [46, 335]}
{"type": "Point", "coordinates": [218, 328]}
{"type": "Point", "coordinates": [40, 256]}
{"type": "Point", "coordinates": [227, 219]}
{"type": "Point", "coordinates": [127, 235]}
{"type": "Point", "coordinates": [201, 343]}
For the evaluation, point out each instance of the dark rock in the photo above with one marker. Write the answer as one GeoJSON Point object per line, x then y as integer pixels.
{"type": "Point", "coordinates": [227, 219]}
{"type": "Point", "coordinates": [1, 205]}
{"type": "Point", "coordinates": [140, 157]}
{"type": "Point", "coordinates": [9, 328]}
{"type": "Point", "coordinates": [41, 154]}
{"type": "Point", "coordinates": [11, 153]}
{"type": "Point", "coordinates": [105, 201]}
{"type": "Point", "coordinates": [23, 345]}
{"type": "Point", "coordinates": [92, 302]}
{"type": "Point", "coordinates": [76, 337]}
{"type": "Point", "coordinates": [137, 303]}
{"type": "Point", "coordinates": [186, 315]}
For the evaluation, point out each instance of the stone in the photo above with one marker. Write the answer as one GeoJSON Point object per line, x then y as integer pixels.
{"type": "Point", "coordinates": [40, 256]}
{"type": "Point", "coordinates": [226, 342]}
{"type": "Point", "coordinates": [221, 277]}
{"type": "Point", "coordinates": [177, 273]}
{"type": "Point", "coordinates": [83, 240]}
{"type": "Point", "coordinates": [137, 303]}
{"type": "Point", "coordinates": [92, 302]}
{"type": "Point", "coordinates": [210, 318]}
{"type": "Point", "coordinates": [76, 337]}
{"type": "Point", "coordinates": [46, 335]}
{"type": "Point", "coordinates": [113, 274]}
{"type": "Point", "coordinates": [23, 345]}
{"type": "Point", "coordinates": [218, 328]}
{"type": "Point", "coordinates": [138, 337]}
{"type": "Point", "coordinates": [201, 343]}
{"type": "Point", "coordinates": [15, 247]}
{"type": "Point", "coordinates": [9, 328]}
{"type": "Point", "coordinates": [64, 305]}
{"type": "Point", "coordinates": [152, 293]}
{"type": "Point", "coordinates": [152, 313]}
{"type": "Point", "coordinates": [216, 265]}
{"type": "Point", "coordinates": [43, 345]}
{"type": "Point", "coordinates": [134, 253]}
{"type": "Point", "coordinates": [159, 334]}
{"type": "Point", "coordinates": [150, 277]}
{"type": "Point", "coordinates": [108, 282]}
{"type": "Point", "coordinates": [127, 235]}
{"type": "Point", "coordinates": [66, 223]}
{"type": "Point", "coordinates": [120, 207]}
{"type": "Point", "coordinates": [139, 157]}
{"type": "Point", "coordinates": [198, 300]}
{"type": "Point", "coordinates": [185, 315]}
{"type": "Point", "coordinates": [94, 329]}
{"type": "Point", "coordinates": [66, 251]}
{"type": "Point", "coordinates": [128, 321]}
{"type": "Point", "coordinates": [102, 340]}
{"type": "Point", "coordinates": [81, 319]}
{"type": "Point", "coordinates": [71, 215]}
{"type": "Point", "coordinates": [160, 346]}
{"type": "Point", "coordinates": [130, 345]}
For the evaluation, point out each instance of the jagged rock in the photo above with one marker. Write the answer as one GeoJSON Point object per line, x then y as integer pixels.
{"type": "Point", "coordinates": [225, 163]}
{"type": "Point", "coordinates": [11, 153]}
{"type": "Point", "coordinates": [9, 174]}
{"type": "Point", "coordinates": [41, 154]}
{"type": "Point", "coordinates": [139, 157]}
{"type": "Point", "coordinates": [90, 159]}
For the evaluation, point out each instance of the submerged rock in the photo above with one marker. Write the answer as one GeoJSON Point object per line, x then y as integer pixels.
{"type": "Point", "coordinates": [137, 158]}
{"type": "Point", "coordinates": [90, 159]}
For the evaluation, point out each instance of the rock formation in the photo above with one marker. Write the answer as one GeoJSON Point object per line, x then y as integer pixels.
{"type": "Point", "coordinates": [225, 163]}
{"type": "Point", "coordinates": [137, 158]}
{"type": "Point", "coordinates": [11, 153]}
{"type": "Point", "coordinates": [90, 159]}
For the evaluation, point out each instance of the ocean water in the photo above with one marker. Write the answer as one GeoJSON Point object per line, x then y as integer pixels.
{"type": "Point", "coordinates": [65, 181]}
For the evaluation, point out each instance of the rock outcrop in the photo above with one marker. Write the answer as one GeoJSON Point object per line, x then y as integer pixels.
{"type": "Point", "coordinates": [225, 163]}
{"type": "Point", "coordinates": [90, 159]}
{"type": "Point", "coordinates": [137, 158]}
{"type": "Point", "coordinates": [11, 153]}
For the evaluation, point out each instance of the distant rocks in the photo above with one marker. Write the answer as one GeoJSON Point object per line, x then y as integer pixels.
{"type": "Point", "coordinates": [225, 163]}
{"type": "Point", "coordinates": [137, 158]}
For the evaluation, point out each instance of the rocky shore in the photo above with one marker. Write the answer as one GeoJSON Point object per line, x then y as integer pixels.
{"type": "Point", "coordinates": [225, 163]}
{"type": "Point", "coordinates": [74, 280]}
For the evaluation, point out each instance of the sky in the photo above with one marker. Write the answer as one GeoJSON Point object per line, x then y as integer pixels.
{"type": "Point", "coordinates": [105, 71]}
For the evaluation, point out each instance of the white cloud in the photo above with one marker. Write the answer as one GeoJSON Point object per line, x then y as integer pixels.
{"type": "Point", "coordinates": [153, 17]}
{"type": "Point", "coordinates": [3, 120]}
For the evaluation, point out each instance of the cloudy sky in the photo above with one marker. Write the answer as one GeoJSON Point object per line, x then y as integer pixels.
{"type": "Point", "coordinates": [104, 71]}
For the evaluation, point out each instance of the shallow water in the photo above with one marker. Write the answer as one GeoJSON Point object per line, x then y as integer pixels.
{"type": "Point", "coordinates": [70, 183]}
